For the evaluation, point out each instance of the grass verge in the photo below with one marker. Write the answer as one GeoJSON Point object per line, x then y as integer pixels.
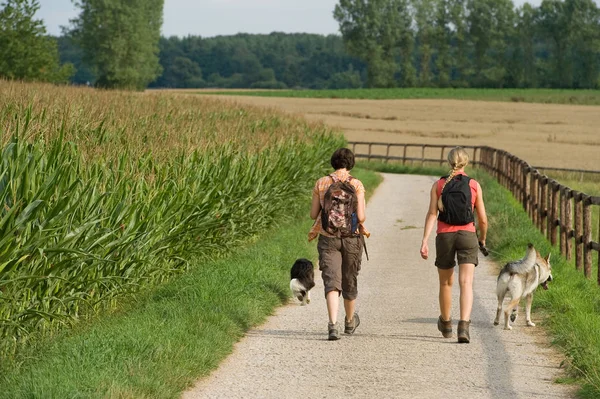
{"type": "Point", "coordinates": [173, 334]}
{"type": "Point", "coordinates": [545, 96]}
{"type": "Point", "coordinates": [572, 304]}
{"type": "Point", "coordinates": [403, 169]}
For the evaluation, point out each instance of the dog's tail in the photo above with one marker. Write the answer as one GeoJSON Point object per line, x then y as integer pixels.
{"type": "Point", "coordinates": [524, 265]}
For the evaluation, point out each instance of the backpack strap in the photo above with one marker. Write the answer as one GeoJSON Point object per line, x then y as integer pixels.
{"type": "Point", "coordinates": [335, 178]}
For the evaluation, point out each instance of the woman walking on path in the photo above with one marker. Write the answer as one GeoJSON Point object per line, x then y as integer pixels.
{"type": "Point", "coordinates": [456, 237]}
{"type": "Point", "coordinates": [340, 243]}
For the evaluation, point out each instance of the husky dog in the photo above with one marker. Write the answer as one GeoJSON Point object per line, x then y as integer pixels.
{"type": "Point", "coordinates": [302, 280]}
{"type": "Point", "coordinates": [520, 279]}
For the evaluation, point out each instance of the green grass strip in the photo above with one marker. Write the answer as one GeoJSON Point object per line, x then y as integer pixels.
{"type": "Point", "coordinates": [414, 169]}
{"type": "Point", "coordinates": [572, 304]}
{"type": "Point", "coordinates": [545, 96]}
{"type": "Point", "coordinates": [172, 335]}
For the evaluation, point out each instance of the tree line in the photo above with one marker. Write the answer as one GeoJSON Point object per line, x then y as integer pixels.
{"type": "Point", "coordinates": [383, 43]}
{"type": "Point", "coordinates": [474, 43]}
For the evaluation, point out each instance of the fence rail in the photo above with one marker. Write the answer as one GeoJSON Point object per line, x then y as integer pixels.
{"type": "Point", "coordinates": [562, 214]}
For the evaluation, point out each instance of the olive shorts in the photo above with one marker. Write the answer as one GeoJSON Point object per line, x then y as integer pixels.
{"type": "Point", "coordinates": [461, 244]}
{"type": "Point", "coordinates": [339, 262]}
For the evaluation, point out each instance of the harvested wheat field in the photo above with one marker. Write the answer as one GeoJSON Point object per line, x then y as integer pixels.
{"type": "Point", "coordinates": [551, 135]}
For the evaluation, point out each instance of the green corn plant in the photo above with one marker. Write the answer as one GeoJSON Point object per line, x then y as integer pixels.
{"type": "Point", "coordinates": [101, 197]}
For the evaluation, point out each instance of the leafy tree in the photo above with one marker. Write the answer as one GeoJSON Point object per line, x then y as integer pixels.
{"type": "Point", "coordinates": [460, 55]}
{"type": "Point", "coordinates": [584, 19]}
{"type": "Point", "coordinates": [120, 39]}
{"type": "Point", "coordinates": [349, 79]}
{"type": "Point", "coordinates": [425, 17]}
{"type": "Point", "coordinates": [555, 28]}
{"type": "Point", "coordinates": [526, 33]}
{"type": "Point", "coordinates": [441, 40]}
{"type": "Point", "coordinates": [71, 53]}
{"type": "Point", "coordinates": [26, 52]}
{"type": "Point", "coordinates": [372, 31]}
{"type": "Point", "coordinates": [490, 27]}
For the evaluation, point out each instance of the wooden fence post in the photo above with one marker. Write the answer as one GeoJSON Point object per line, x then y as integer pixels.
{"type": "Point", "coordinates": [499, 167]}
{"type": "Point", "coordinates": [587, 237]}
{"type": "Point", "coordinates": [525, 181]}
{"type": "Point", "coordinates": [563, 204]}
{"type": "Point", "coordinates": [442, 156]}
{"type": "Point", "coordinates": [533, 206]}
{"type": "Point", "coordinates": [554, 217]}
{"type": "Point", "coordinates": [518, 180]}
{"type": "Point", "coordinates": [544, 206]}
{"type": "Point", "coordinates": [511, 174]}
{"type": "Point", "coordinates": [568, 224]}
{"type": "Point", "coordinates": [577, 198]}
{"type": "Point", "coordinates": [404, 155]}
{"type": "Point", "coordinates": [387, 153]}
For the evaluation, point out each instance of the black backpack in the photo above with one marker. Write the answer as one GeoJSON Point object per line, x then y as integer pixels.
{"type": "Point", "coordinates": [338, 215]}
{"type": "Point", "coordinates": [456, 198]}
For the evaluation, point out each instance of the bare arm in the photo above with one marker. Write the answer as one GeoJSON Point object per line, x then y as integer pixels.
{"type": "Point", "coordinates": [360, 210]}
{"type": "Point", "coordinates": [315, 206]}
{"type": "Point", "coordinates": [430, 219]}
{"type": "Point", "coordinates": [481, 215]}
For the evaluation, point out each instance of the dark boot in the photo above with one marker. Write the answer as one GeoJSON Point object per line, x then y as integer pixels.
{"type": "Point", "coordinates": [445, 327]}
{"type": "Point", "coordinates": [334, 334]}
{"type": "Point", "coordinates": [463, 332]}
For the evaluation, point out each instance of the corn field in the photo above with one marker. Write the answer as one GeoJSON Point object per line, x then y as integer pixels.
{"type": "Point", "coordinates": [106, 193]}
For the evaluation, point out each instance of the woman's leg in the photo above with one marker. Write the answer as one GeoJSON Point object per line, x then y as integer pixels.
{"type": "Point", "coordinates": [352, 249]}
{"type": "Point", "coordinates": [333, 303]}
{"type": "Point", "coordinates": [446, 280]}
{"type": "Point", "coordinates": [330, 264]}
{"type": "Point", "coordinates": [465, 279]}
{"type": "Point", "coordinates": [349, 306]}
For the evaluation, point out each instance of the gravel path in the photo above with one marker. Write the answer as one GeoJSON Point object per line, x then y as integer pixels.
{"type": "Point", "coordinates": [397, 351]}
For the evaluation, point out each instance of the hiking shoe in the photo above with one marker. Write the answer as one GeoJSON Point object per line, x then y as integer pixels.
{"type": "Point", "coordinates": [463, 332]}
{"type": "Point", "coordinates": [334, 334]}
{"type": "Point", "coordinates": [350, 326]}
{"type": "Point", "coordinates": [445, 327]}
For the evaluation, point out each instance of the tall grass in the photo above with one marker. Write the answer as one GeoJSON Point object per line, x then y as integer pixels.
{"type": "Point", "coordinates": [105, 193]}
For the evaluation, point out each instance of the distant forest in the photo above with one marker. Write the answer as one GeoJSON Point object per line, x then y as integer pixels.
{"type": "Point", "coordinates": [421, 43]}
{"type": "Point", "coordinates": [273, 61]}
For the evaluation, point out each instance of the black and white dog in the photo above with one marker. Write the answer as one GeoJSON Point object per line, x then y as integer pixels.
{"type": "Point", "coordinates": [302, 280]}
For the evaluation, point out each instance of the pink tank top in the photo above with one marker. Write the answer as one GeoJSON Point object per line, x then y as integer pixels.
{"type": "Point", "coordinates": [448, 228]}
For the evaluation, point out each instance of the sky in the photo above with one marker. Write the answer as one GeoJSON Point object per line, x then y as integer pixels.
{"type": "Point", "coordinates": [225, 17]}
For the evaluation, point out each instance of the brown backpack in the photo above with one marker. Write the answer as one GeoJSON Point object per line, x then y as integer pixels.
{"type": "Point", "coordinates": [338, 215]}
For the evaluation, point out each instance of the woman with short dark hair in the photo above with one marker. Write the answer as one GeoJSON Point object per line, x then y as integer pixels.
{"type": "Point", "coordinates": [342, 158]}
{"type": "Point", "coordinates": [340, 254]}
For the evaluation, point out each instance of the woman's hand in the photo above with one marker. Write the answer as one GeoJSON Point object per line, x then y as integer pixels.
{"type": "Point", "coordinates": [424, 250]}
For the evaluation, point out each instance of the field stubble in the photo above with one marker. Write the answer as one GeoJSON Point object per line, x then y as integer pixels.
{"type": "Point", "coordinates": [551, 135]}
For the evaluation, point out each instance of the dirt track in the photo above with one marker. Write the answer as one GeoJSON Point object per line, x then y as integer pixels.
{"type": "Point", "coordinates": [397, 351]}
{"type": "Point", "coordinates": [542, 134]}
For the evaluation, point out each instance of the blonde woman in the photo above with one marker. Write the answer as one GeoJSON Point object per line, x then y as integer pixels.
{"type": "Point", "coordinates": [456, 238]}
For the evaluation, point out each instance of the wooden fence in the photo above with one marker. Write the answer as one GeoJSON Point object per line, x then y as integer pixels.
{"type": "Point", "coordinates": [562, 214]}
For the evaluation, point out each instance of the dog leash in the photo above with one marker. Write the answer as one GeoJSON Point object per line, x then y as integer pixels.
{"type": "Point", "coordinates": [486, 251]}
